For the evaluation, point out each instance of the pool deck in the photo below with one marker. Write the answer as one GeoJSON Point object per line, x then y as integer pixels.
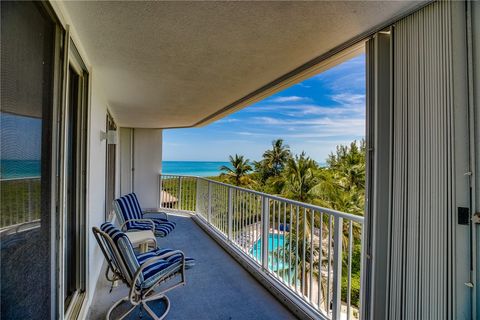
{"type": "Point", "coordinates": [217, 287]}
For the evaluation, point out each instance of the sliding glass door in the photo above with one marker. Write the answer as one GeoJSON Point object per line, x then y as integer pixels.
{"type": "Point", "coordinates": [43, 140]}
{"type": "Point", "coordinates": [27, 269]}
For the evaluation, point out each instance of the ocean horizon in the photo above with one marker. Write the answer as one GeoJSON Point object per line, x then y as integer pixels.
{"type": "Point", "coordinates": [193, 168]}
{"type": "Point", "coordinates": [17, 169]}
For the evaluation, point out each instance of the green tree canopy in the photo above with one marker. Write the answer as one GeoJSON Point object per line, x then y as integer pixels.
{"type": "Point", "coordinates": [238, 173]}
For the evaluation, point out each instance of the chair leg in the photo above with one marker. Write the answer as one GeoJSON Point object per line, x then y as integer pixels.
{"type": "Point", "coordinates": [116, 304]}
{"type": "Point", "coordinates": [152, 314]}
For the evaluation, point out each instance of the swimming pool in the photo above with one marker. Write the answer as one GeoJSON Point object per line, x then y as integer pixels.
{"type": "Point", "coordinates": [275, 241]}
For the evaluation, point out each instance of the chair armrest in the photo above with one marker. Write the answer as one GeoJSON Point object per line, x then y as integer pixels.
{"type": "Point", "coordinates": [138, 220]}
{"type": "Point", "coordinates": [156, 212]}
{"type": "Point", "coordinates": [138, 237]}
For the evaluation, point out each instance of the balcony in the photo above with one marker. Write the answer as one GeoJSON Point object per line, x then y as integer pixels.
{"type": "Point", "coordinates": [227, 283]}
{"type": "Point", "coordinates": [217, 287]}
{"type": "Point", "coordinates": [224, 228]}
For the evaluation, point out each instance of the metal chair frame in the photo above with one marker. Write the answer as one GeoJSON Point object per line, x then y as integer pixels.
{"type": "Point", "coordinates": [137, 296]}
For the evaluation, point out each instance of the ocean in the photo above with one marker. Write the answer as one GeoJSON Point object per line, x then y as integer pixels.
{"type": "Point", "coordinates": [10, 169]}
{"type": "Point", "coordinates": [193, 168]}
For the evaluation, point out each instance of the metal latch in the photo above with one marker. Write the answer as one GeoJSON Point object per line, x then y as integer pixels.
{"type": "Point", "coordinates": [476, 218]}
{"type": "Point", "coordinates": [469, 284]}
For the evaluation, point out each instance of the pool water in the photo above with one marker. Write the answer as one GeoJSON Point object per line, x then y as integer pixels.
{"type": "Point", "coordinates": [275, 241]}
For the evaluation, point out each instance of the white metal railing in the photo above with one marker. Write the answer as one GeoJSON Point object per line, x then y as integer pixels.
{"type": "Point", "coordinates": [310, 250]}
{"type": "Point", "coordinates": [20, 201]}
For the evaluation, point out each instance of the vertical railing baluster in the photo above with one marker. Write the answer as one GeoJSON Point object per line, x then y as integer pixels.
{"type": "Point", "coordinates": [226, 225]}
{"type": "Point", "coordinates": [160, 202]}
{"type": "Point", "coordinates": [273, 234]}
{"type": "Point", "coordinates": [259, 224]}
{"type": "Point", "coordinates": [197, 193]}
{"type": "Point", "coordinates": [304, 249]}
{"type": "Point", "coordinates": [278, 239]}
{"type": "Point", "coordinates": [242, 220]}
{"type": "Point", "coordinates": [250, 222]}
{"type": "Point", "coordinates": [296, 248]}
{"type": "Point", "coordinates": [337, 268]}
{"type": "Point", "coordinates": [235, 215]}
{"type": "Point", "coordinates": [362, 252]}
{"type": "Point", "coordinates": [265, 227]}
{"type": "Point", "coordinates": [186, 206]}
{"type": "Point", "coordinates": [349, 285]}
{"type": "Point", "coordinates": [230, 213]}
{"type": "Point", "coordinates": [284, 239]}
{"type": "Point", "coordinates": [329, 262]}
{"type": "Point", "coordinates": [312, 231]}
{"type": "Point", "coordinates": [29, 199]}
{"type": "Point", "coordinates": [320, 256]}
{"type": "Point", "coordinates": [209, 205]}
{"type": "Point", "coordinates": [290, 247]}
{"type": "Point", "coordinates": [179, 194]}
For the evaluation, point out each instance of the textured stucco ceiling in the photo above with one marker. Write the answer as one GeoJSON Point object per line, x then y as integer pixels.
{"type": "Point", "coordinates": [172, 64]}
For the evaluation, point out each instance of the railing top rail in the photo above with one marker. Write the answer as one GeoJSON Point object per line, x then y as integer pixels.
{"type": "Point", "coordinates": [313, 207]}
{"type": "Point", "coordinates": [20, 178]}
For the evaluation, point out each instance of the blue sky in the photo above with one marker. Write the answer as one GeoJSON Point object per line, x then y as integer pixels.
{"type": "Point", "coordinates": [313, 116]}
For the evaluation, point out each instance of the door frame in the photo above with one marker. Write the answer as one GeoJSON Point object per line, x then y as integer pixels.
{"type": "Point", "coordinates": [110, 123]}
{"type": "Point", "coordinates": [73, 60]}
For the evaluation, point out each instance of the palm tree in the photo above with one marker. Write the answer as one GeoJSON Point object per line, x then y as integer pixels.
{"type": "Point", "coordinates": [238, 173]}
{"type": "Point", "coordinates": [299, 184]}
{"type": "Point", "coordinates": [262, 170]}
{"type": "Point", "coordinates": [300, 179]}
{"type": "Point", "coordinates": [277, 157]}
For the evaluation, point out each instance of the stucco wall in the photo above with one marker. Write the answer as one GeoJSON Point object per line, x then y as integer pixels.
{"type": "Point", "coordinates": [147, 152]}
{"type": "Point", "coordinates": [125, 170]}
{"type": "Point", "coordinates": [96, 182]}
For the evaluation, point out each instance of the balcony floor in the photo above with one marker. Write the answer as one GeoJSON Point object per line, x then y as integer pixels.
{"type": "Point", "coordinates": [217, 287]}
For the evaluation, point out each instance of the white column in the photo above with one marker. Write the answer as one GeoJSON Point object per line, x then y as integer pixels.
{"type": "Point", "coordinates": [147, 165]}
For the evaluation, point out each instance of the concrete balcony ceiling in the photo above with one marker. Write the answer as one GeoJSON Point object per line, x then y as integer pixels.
{"type": "Point", "coordinates": [182, 64]}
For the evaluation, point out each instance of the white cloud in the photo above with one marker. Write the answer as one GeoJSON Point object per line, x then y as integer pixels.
{"type": "Point", "coordinates": [231, 120]}
{"type": "Point", "coordinates": [290, 99]}
{"type": "Point", "coordinates": [246, 133]}
{"type": "Point", "coordinates": [305, 110]}
{"type": "Point", "coordinates": [308, 128]}
{"type": "Point", "coordinates": [349, 98]}
{"type": "Point", "coordinates": [300, 110]}
{"type": "Point", "coordinates": [303, 85]}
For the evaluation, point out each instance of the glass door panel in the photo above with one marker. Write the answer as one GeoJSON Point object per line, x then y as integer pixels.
{"type": "Point", "coordinates": [26, 267]}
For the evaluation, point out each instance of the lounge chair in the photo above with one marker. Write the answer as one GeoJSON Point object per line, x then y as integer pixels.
{"type": "Point", "coordinates": [131, 217]}
{"type": "Point", "coordinates": [143, 272]}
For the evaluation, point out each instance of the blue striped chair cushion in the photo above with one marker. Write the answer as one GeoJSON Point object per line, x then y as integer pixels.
{"type": "Point", "coordinates": [150, 275]}
{"type": "Point", "coordinates": [127, 207]}
{"type": "Point", "coordinates": [162, 227]}
{"type": "Point", "coordinates": [159, 270]}
{"type": "Point", "coordinates": [142, 257]}
{"type": "Point", "coordinates": [109, 229]}
{"type": "Point", "coordinates": [162, 268]}
{"type": "Point", "coordinates": [125, 248]}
